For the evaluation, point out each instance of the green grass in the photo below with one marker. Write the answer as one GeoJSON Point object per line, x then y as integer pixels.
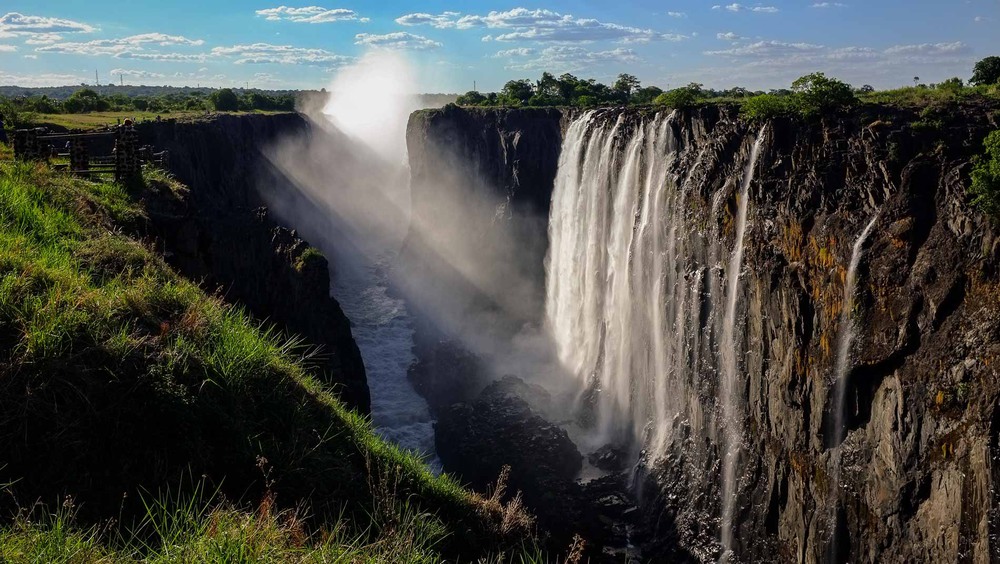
{"type": "Point", "coordinates": [117, 376]}
{"type": "Point", "coordinates": [922, 96]}
{"type": "Point", "coordinates": [94, 120]}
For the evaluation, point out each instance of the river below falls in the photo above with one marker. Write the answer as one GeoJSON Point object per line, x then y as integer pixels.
{"type": "Point", "coordinates": [383, 329]}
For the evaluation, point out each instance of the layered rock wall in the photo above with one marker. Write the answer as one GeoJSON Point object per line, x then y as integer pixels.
{"type": "Point", "coordinates": [918, 468]}
{"type": "Point", "coordinates": [224, 236]}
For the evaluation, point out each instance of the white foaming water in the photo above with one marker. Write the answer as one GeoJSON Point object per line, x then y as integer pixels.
{"type": "Point", "coordinates": [841, 367]}
{"type": "Point", "coordinates": [846, 336]}
{"type": "Point", "coordinates": [383, 330]}
{"type": "Point", "coordinates": [640, 301]}
{"type": "Point", "coordinates": [730, 389]}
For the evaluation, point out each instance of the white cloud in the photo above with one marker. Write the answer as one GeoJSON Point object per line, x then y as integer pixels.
{"type": "Point", "coordinates": [44, 79]}
{"type": "Point", "coordinates": [443, 21]}
{"type": "Point", "coordinates": [262, 53]}
{"type": "Point", "coordinates": [768, 49]}
{"type": "Point", "coordinates": [522, 24]}
{"type": "Point", "coordinates": [128, 47]}
{"type": "Point", "coordinates": [728, 36]}
{"type": "Point", "coordinates": [518, 52]}
{"type": "Point", "coordinates": [741, 8]}
{"type": "Point", "coordinates": [677, 14]}
{"type": "Point", "coordinates": [397, 40]}
{"type": "Point", "coordinates": [931, 50]}
{"type": "Point", "coordinates": [31, 56]}
{"type": "Point", "coordinates": [310, 14]}
{"type": "Point", "coordinates": [164, 57]}
{"type": "Point", "coordinates": [566, 58]}
{"type": "Point", "coordinates": [133, 73]}
{"type": "Point", "coordinates": [20, 23]}
{"type": "Point", "coordinates": [829, 5]}
{"type": "Point", "coordinates": [7, 48]}
{"type": "Point", "coordinates": [43, 38]}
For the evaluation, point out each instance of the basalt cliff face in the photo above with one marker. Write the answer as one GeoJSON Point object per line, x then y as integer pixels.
{"type": "Point", "coordinates": [224, 235]}
{"type": "Point", "coordinates": [861, 421]}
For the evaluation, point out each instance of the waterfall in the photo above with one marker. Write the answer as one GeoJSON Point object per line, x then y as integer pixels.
{"type": "Point", "coordinates": [635, 294]}
{"type": "Point", "coordinates": [842, 366]}
{"type": "Point", "coordinates": [730, 386]}
{"type": "Point", "coordinates": [846, 335]}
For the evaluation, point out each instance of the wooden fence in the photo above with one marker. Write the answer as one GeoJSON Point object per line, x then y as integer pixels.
{"type": "Point", "coordinates": [125, 160]}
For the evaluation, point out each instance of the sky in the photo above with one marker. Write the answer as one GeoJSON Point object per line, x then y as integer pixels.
{"type": "Point", "coordinates": [456, 45]}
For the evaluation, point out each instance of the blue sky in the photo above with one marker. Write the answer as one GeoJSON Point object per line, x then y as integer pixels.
{"type": "Point", "coordinates": [668, 43]}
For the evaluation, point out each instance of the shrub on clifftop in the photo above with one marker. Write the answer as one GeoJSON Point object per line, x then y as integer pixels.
{"type": "Point", "coordinates": [985, 189]}
{"type": "Point", "coordinates": [816, 94]}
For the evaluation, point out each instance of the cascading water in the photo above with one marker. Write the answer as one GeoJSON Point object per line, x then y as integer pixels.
{"type": "Point", "coordinates": [633, 284]}
{"type": "Point", "coordinates": [730, 388]}
{"type": "Point", "coordinates": [841, 367]}
{"type": "Point", "coordinates": [846, 336]}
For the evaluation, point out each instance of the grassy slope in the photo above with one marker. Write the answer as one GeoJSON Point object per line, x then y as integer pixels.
{"type": "Point", "coordinates": [118, 377]}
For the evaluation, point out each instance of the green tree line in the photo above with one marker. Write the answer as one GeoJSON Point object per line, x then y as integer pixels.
{"type": "Point", "coordinates": [17, 110]}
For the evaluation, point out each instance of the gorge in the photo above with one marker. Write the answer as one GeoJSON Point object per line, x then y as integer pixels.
{"type": "Point", "coordinates": [725, 375]}
{"type": "Point", "coordinates": [755, 341]}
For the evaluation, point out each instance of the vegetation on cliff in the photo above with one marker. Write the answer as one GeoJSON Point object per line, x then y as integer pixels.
{"type": "Point", "coordinates": [985, 188]}
{"type": "Point", "coordinates": [810, 96]}
{"type": "Point", "coordinates": [119, 378]}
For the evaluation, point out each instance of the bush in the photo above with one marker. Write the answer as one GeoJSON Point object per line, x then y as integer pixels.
{"type": "Point", "coordinates": [986, 71]}
{"type": "Point", "coordinates": [766, 106]}
{"type": "Point", "coordinates": [470, 98]}
{"type": "Point", "coordinates": [985, 188]}
{"type": "Point", "coordinates": [678, 98]}
{"type": "Point", "coordinates": [816, 94]}
{"type": "Point", "coordinates": [225, 100]}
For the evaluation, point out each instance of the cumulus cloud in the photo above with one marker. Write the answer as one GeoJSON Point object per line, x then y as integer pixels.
{"type": "Point", "coordinates": [564, 58]}
{"type": "Point", "coordinates": [521, 24]}
{"type": "Point", "coordinates": [741, 8]}
{"type": "Point", "coordinates": [20, 23]}
{"type": "Point", "coordinates": [768, 49]}
{"type": "Point", "coordinates": [43, 79]}
{"type": "Point", "coordinates": [310, 14]}
{"type": "Point", "coordinates": [164, 57]}
{"type": "Point", "coordinates": [518, 52]}
{"type": "Point", "coordinates": [442, 21]}
{"type": "Point", "coordinates": [728, 36]}
{"type": "Point", "coordinates": [134, 73]}
{"type": "Point", "coordinates": [397, 40]}
{"type": "Point", "coordinates": [261, 53]}
{"type": "Point", "coordinates": [7, 48]}
{"type": "Point", "coordinates": [43, 38]}
{"type": "Point", "coordinates": [133, 45]}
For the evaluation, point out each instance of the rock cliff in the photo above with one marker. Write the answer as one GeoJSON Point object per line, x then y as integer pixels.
{"type": "Point", "coordinates": [916, 476]}
{"type": "Point", "coordinates": [224, 236]}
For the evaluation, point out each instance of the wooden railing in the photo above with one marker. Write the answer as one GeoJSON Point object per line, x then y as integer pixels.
{"type": "Point", "coordinates": [125, 161]}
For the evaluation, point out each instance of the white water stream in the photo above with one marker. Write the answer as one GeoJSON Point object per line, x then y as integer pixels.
{"type": "Point", "coordinates": [384, 332]}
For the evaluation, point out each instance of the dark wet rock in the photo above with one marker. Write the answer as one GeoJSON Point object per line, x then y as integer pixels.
{"type": "Point", "coordinates": [477, 439]}
{"type": "Point", "coordinates": [919, 479]}
{"type": "Point", "coordinates": [609, 458]}
{"type": "Point", "coordinates": [221, 234]}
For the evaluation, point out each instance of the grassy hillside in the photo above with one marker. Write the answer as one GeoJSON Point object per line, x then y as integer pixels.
{"type": "Point", "coordinates": [143, 419]}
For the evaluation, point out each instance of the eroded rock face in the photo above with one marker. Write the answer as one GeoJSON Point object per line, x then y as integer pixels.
{"type": "Point", "coordinates": [222, 235]}
{"type": "Point", "coordinates": [499, 428]}
{"type": "Point", "coordinates": [919, 463]}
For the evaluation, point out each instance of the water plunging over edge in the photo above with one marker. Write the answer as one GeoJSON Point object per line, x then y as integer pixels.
{"type": "Point", "coordinates": [730, 389]}
{"type": "Point", "coordinates": [843, 366]}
